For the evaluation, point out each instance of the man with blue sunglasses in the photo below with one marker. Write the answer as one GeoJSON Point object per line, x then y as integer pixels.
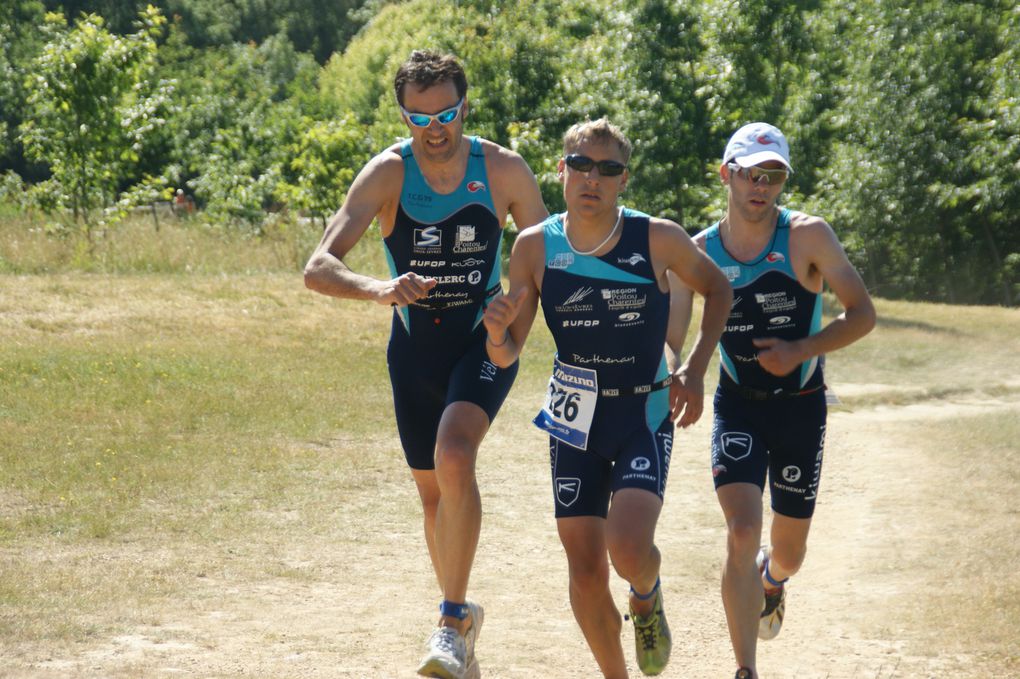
{"type": "Point", "coordinates": [441, 200]}
{"type": "Point", "coordinates": [770, 406]}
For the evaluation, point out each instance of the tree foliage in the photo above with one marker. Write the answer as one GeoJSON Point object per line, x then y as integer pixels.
{"type": "Point", "coordinates": [90, 108]}
{"type": "Point", "coordinates": [324, 162]}
{"type": "Point", "coordinates": [904, 119]}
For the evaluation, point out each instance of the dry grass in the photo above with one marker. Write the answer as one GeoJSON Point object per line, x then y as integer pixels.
{"type": "Point", "coordinates": [169, 437]}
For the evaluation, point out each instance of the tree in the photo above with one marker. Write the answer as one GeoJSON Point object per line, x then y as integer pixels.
{"type": "Point", "coordinates": [903, 175]}
{"type": "Point", "coordinates": [89, 109]}
{"type": "Point", "coordinates": [19, 44]}
{"type": "Point", "coordinates": [324, 162]}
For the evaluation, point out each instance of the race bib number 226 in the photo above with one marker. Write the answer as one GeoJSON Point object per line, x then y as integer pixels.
{"type": "Point", "coordinates": [569, 404]}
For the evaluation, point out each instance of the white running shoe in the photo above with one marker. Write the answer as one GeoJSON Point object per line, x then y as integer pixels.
{"type": "Point", "coordinates": [446, 655]}
{"type": "Point", "coordinates": [774, 609]}
{"type": "Point", "coordinates": [471, 635]}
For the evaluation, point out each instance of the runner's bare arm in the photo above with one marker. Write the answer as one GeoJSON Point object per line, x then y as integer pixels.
{"type": "Point", "coordinates": [517, 182]}
{"type": "Point", "coordinates": [508, 318]}
{"type": "Point", "coordinates": [815, 236]}
{"type": "Point", "coordinates": [681, 305]}
{"type": "Point", "coordinates": [695, 271]}
{"type": "Point", "coordinates": [371, 194]}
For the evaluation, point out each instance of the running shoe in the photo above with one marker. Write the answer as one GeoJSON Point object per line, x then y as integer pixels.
{"type": "Point", "coordinates": [771, 620]}
{"type": "Point", "coordinates": [743, 673]}
{"type": "Point", "coordinates": [652, 640]}
{"type": "Point", "coordinates": [445, 655]}
{"type": "Point", "coordinates": [471, 635]}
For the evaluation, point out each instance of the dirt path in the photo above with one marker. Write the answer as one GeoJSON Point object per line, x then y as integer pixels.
{"type": "Point", "coordinates": [361, 606]}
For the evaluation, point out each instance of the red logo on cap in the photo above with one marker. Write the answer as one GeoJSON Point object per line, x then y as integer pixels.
{"type": "Point", "coordinates": [764, 139]}
{"type": "Point", "coordinates": [475, 186]}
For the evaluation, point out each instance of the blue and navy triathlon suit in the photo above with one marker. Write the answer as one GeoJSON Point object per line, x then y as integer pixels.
{"type": "Point", "coordinates": [764, 422]}
{"type": "Point", "coordinates": [436, 353]}
{"type": "Point", "coordinates": [607, 408]}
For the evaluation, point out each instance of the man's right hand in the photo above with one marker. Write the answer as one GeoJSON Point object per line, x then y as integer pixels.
{"type": "Point", "coordinates": [500, 313]}
{"type": "Point", "coordinates": [405, 289]}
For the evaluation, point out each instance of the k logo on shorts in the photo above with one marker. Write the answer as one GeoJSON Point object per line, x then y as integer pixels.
{"type": "Point", "coordinates": [567, 490]}
{"type": "Point", "coordinates": [735, 445]}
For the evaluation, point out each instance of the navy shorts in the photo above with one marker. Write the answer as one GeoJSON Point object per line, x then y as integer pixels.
{"type": "Point", "coordinates": [783, 438]}
{"type": "Point", "coordinates": [584, 481]}
{"type": "Point", "coordinates": [427, 378]}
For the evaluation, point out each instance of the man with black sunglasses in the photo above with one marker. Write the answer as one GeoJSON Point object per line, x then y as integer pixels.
{"type": "Point", "coordinates": [770, 408]}
{"type": "Point", "coordinates": [441, 200]}
{"type": "Point", "coordinates": [600, 271]}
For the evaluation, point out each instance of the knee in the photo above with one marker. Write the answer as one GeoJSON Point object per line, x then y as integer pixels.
{"type": "Point", "coordinates": [743, 538]}
{"type": "Point", "coordinates": [629, 555]}
{"type": "Point", "coordinates": [589, 577]}
{"type": "Point", "coordinates": [429, 503]}
{"type": "Point", "coordinates": [455, 464]}
{"type": "Point", "coordinates": [788, 558]}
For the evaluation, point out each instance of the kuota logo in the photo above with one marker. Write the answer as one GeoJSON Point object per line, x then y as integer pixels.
{"type": "Point", "coordinates": [567, 490]}
{"type": "Point", "coordinates": [735, 445]}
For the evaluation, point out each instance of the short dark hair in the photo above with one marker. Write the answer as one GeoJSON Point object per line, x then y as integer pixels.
{"type": "Point", "coordinates": [425, 68]}
{"type": "Point", "coordinates": [599, 131]}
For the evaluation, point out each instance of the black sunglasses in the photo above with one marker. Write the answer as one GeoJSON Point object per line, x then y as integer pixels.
{"type": "Point", "coordinates": [607, 168]}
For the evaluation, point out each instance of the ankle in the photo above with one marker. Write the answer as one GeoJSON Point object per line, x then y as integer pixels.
{"type": "Point", "coordinates": [461, 626]}
{"type": "Point", "coordinates": [770, 583]}
{"type": "Point", "coordinates": [454, 614]}
{"type": "Point", "coordinates": [644, 604]}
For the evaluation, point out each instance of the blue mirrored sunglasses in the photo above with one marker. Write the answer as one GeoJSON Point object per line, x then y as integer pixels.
{"type": "Point", "coordinates": [424, 119]}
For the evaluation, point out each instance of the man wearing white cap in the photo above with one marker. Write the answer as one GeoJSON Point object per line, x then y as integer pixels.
{"type": "Point", "coordinates": [770, 408]}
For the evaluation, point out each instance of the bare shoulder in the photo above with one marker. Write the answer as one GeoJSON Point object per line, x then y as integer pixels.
{"type": "Point", "coordinates": [660, 225]}
{"type": "Point", "coordinates": [662, 232]}
{"type": "Point", "coordinates": [803, 225]}
{"type": "Point", "coordinates": [529, 249]}
{"type": "Point", "coordinates": [502, 161]}
{"type": "Point", "coordinates": [514, 187]}
{"type": "Point", "coordinates": [386, 164]}
{"type": "Point", "coordinates": [380, 180]}
{"type": "Point", "coordinates": [700, 238]}
{"type": "Point", "coordinates": [531, 237]}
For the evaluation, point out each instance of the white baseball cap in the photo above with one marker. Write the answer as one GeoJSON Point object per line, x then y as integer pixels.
{"type": "Point", "coordinates": [755, 143]}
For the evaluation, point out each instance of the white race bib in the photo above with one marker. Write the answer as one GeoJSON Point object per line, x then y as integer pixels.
{"type": "Point", "coordinates": [570, 404]}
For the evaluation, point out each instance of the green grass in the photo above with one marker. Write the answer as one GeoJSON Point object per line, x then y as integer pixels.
{"type": "Point", "coordinates": [31, 244]}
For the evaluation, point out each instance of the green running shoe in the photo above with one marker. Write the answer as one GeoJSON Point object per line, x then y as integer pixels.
{"type": "Point", "coordinates": [652, 640]}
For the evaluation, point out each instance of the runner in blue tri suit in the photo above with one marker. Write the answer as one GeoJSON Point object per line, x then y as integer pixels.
{"type": "Point", "coordinates": [600, 271]}
{"type": "Point", "coordinates": [436, 354]}
{"type": "Point", "coordinates": [441, 200]}
{"type": "Point", "coordinates": [770, 408]}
